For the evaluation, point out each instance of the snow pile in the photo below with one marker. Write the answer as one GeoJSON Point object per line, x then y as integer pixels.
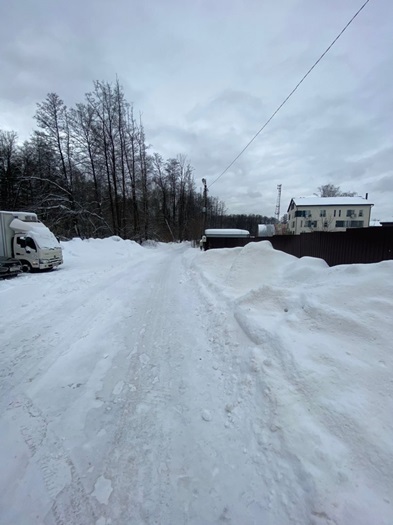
{"type": "Point", "coordinates": [103, 251]}
{"type": "Point", "coordinates": [163, 384]}
{"type": "Point", "coordinates": [323, 341]}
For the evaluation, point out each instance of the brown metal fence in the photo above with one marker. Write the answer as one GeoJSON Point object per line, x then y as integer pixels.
{"type": "Point", "coordinates": [360, 245]}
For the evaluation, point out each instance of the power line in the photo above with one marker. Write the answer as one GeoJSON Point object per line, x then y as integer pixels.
{"type": "Point", "coordinates": [291, 93]}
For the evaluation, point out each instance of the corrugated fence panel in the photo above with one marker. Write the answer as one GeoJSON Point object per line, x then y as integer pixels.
{"type": "Point", "coordinates": [360, 245]}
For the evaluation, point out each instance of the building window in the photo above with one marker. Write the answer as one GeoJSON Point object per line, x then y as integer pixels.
{"type": "Point", "coordinates": [310, 224]}
{"type": "Point", "coordinates": [322, 213]}
{"type": "Point", "coordinates": [360, 213]}
{"type": "Point", "coordinates": [350, 213]}
{"type": "Point", "coordinates": [289, 217]}
{"type": "Point", "coordinates": [301, 224]}
{"type": "Point", "coordinates": [302, 213]}
{"type": "Point", "coordinates": [349, 224]}
{"type": "Point", "coordinates": [334, 213]}
{"type": "Point", "coordinates": [339, 213]}
{"type": "Point", "coordinates": [325, 224]}
{"type": "Point", "coordinates": [293, 224]}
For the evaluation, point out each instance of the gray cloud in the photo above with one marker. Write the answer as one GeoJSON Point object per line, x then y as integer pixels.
{"type": "Point", "coordinates": [206, 76]}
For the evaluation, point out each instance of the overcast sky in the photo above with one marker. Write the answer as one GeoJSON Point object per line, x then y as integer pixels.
{"type": "Point", "coordinates": [207, 74]}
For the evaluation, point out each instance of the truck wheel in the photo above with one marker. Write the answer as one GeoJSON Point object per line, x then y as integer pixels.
{"type": "Point", "coordinates": [26, 267]}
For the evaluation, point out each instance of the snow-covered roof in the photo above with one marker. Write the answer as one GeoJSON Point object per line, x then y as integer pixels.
{"type": "Point", "coordinates": [331, 201]}
{"type": "Point", "coordinates": [226, 232]}
{"type": "Point", "coordinates": [40, 233]}
{"type": "Point", "coordinates": [22, 226]}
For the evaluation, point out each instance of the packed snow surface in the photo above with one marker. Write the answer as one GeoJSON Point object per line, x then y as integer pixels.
{"type": "Point", "coordinates": [165, 385]}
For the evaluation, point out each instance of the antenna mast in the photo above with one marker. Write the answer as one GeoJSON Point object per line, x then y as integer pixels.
{"type": "Point", "coordinates": [278, 202]}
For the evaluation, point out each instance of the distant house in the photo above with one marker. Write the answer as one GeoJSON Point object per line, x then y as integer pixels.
{"type": "Point", "coordinates": [331, 214]}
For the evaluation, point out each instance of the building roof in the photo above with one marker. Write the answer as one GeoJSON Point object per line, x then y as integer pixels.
{"type": "Point", "coordinates": [226, 232]}
{"type": "Point", "coordinates": [330, 201]}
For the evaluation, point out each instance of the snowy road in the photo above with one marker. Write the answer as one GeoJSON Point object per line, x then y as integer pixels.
{"type": "Point", "coordinates": [130, 394]}
{"type": "Point", "coordinates": [122, 392]}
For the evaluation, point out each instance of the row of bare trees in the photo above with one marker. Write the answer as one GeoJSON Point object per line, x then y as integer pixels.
{"type": "Point", "coordinates": [88, 171]}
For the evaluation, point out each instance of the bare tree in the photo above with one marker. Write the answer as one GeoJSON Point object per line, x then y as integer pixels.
{"type": "Point", "coordinates": [88, 171]}
{"type": "Point", "coordinates": [52, 118]}
{"type": "Point", "coordinates": [8, 167]}
{"type": "Point", "coordinates": [329, 190]}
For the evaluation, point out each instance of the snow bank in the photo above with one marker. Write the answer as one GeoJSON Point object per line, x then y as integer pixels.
{"type": "Point", "coordinates": [90, 251]}
{"type": "Point", "coordinates": [324, 348]}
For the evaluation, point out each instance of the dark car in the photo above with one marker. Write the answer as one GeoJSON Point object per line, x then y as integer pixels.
{"type": "Point", "coordinates": [9, 267]}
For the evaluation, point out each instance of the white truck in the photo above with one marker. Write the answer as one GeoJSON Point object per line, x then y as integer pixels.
{"type": "Point", "coordinates": [24, 237]}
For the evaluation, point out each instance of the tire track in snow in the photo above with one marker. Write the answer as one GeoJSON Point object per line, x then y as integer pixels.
{"type": "Point", "coordinates": [71, 502]}
{"type": "Point", "coordinates": [26, 357]}
{"type": "Point", "coordinates": [134, 483]}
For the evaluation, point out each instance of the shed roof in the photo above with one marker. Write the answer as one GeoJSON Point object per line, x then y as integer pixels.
{"type": "Point", "coordinates": [226, 232]}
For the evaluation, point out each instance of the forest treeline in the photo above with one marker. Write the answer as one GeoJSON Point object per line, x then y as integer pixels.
{"type": "Point", "coordinates": [88, 171]}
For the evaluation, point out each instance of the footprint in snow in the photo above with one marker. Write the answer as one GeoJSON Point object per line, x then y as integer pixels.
{"type": "Point", "coordinates": [206, 415]}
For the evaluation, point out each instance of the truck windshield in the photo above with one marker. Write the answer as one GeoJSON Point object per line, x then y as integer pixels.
{"type": "Point", "coordinates": [45, 238]}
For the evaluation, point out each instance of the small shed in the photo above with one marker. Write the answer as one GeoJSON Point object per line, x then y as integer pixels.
{"type": "Point", "coordinates": [226, 238]}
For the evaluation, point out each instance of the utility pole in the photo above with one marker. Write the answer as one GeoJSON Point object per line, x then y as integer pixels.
{"type": "Point", "coordinates": [204, 209]}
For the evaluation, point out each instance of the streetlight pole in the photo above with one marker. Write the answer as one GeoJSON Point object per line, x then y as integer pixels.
{"type": "Point", "coordinates": [204, 209]}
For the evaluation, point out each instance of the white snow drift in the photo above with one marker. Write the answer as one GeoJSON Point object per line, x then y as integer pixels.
{"type": "Point", "coordinates": [168, 385]}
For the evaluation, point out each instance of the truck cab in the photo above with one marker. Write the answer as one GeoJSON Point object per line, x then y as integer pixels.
{"type": "Point", "coordinates": [27, 239]}
{"type": "Point", "coordinates": [35, 254]}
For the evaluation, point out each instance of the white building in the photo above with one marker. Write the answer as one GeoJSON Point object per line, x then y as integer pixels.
{"type": "Point", "coordinates": [331, 214]}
